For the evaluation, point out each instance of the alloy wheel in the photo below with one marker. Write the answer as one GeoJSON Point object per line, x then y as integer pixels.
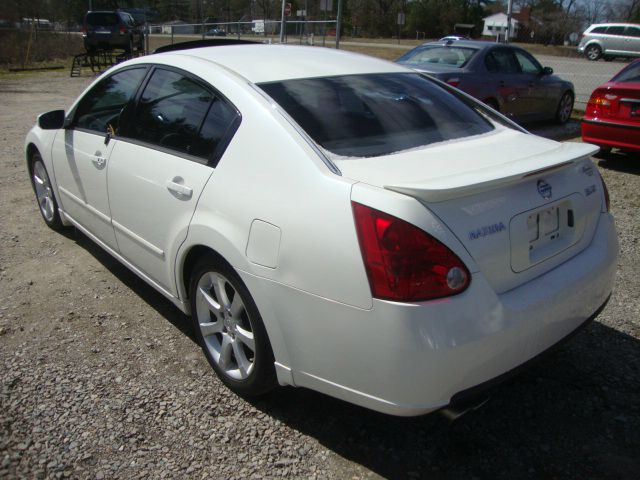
{"type": "Point", "coordinates": [44, 193]}
{"type": "Point", "coordinates": [224, 323]}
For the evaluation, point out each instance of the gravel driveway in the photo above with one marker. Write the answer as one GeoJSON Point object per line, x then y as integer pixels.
{"type": "Point", "coordinates": [101, 377]}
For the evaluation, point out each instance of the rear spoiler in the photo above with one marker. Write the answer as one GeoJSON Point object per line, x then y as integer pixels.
{"type": "Point", "coordinates": [472, 182]}
{"type": "Point", "coordinates": [209, 42]}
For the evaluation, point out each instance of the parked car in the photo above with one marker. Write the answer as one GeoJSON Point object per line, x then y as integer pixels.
{"type": "Point", "coordinates": [507, 78]}
{"type": "Point", "coordinates": [216, 32]}
{"type": "Point", "coordinates": [332, 221]}
{"type": "Point", "coordinates": [453, 38]}
{"type": "Point", "coordinates": [109, 30]}
{"type": "Point", "coordinates": [610, 40]}
{"type": "Point", "coordinates": [612, 116]}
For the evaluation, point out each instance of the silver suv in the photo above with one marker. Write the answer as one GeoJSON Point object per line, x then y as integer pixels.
{"type": "Point", "coordinates": [609, 40]}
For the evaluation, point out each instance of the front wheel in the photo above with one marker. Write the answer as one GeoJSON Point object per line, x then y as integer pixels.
{"type": "Point", "coordinates": [565, 108]}
{"type": "Point", "coordinates": [593, 52]}
{"type": "Point", "coordinates": [44, 193]}
{"type": "Point", "coordinates": [229, 328]}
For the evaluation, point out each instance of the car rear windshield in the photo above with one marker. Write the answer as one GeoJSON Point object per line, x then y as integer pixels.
{"type": "Point", "coordinates": [631, 74]}
{"type": "Point", "coordinates": [375, 114]}
{"type": "Point", "coordinates": [440, 55]}
{"type": "Point", "coordinates": [105, 19]}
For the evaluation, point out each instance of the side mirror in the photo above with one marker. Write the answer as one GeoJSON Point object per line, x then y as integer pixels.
{"type": "Point", "coordinates": [52, 120]}
{"type": "Point", "coordinates": [547, 71]}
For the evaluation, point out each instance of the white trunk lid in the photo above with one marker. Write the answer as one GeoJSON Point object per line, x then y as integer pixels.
{"type": "Point", "coordinates": [520, 204]}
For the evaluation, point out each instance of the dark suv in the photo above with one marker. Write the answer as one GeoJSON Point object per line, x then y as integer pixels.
{"type": "Point", "coordinates": [109, 30]}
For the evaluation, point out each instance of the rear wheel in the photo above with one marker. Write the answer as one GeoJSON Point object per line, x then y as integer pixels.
{"type": "Point", "coordinates": [565, 108]}
{"type": "Point", "coordinates": [229, 328]}
{"type": "Point", "coordinates": [593, 52]}
{"type": "Point", "coordinates": [44, 193]}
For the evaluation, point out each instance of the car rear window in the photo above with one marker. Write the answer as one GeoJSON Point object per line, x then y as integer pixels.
{"type": "Point", "coordinates": [375, 114]}
{"type": "Point", "coordinates": [449, 56]}
{"type": "Point", "coordinates": [631, 74]}
{"type": "Point", "coordinates": [102, 18]}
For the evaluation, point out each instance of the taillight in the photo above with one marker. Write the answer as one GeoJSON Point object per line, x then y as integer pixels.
{"type": "Point", "coordinates": [599, 103]}
{"type": "Point", "coordinates": [404, 263]}
{"type": "Point", "coordinates": [122, 30]}
{"type": "Point", "coordinates": [454, 82]}
{"type": "Point", "coordinates": [607, 200]}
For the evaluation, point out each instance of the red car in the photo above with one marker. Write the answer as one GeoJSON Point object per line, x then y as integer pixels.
{"type": "Point", "coordinates": [612, 116]}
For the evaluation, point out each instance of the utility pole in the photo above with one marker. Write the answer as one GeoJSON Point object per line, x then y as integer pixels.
{"type": "Point", "coordinates": [509, 10]}
{"type": "Point", "coordinates": [282, 20]}
{"type": "Point", "coordinates": [338, 24]}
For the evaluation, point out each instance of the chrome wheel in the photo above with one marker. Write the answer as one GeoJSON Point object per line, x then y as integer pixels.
{"type": "Point", "coordinates": [44, 193]}
{"type": "Point", "coordinates": [565, 107]}
{"type": "Point", "coordinates": [593, 52]}
{"type": "Point", "coordinates": [225, 326]}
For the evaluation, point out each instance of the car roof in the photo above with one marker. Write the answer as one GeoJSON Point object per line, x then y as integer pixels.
{"type": "Point", "coordinates": [262, 63]}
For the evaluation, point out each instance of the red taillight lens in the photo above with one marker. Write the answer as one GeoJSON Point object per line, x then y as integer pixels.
{"type": "Point", "coordinates": [599, 103]}
{"type": "Point", "coordinates": [454, 82]}
{"type": "Point", "coordinates": [607, 200]}
{"type": "Point", "coordinates": [404, 263]}
{"type": "Point", "coordinates": [122, 30]}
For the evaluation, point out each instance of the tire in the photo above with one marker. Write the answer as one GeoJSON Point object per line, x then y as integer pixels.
{"type": "Point", "coordinates": [593, 52]}
{"type": "Point", "coordinates": [229, 328]}
{"type": "Point", "coordinates": [565, 108]}
{"type": "Point", "coordinates": [45, 197]}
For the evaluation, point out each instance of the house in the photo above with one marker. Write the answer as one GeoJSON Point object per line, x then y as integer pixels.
{"type": "Point", "coordinates": [495, 26]}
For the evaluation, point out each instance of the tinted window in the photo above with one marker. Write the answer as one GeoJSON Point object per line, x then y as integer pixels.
{"type": "Point", "coordinates": [376, 114]}
{"type": "Point", "coordinates": [106, 19]}
{"type": "Point", "coordinates": [172, 111]}
{"type": "Point", "coordinates": [632, 32]}
{"type": "Point", "coordinates": [615, 30]}
{"type": "Point", "coordinates": [527, 63]}
{"type": "Point", "coordinates": [451, 56]}
{"type": "Point", "coordinates": [102, 105]}
{"type": "Point", "coordinates": [599, 30]}
{"type": "Point", "coordinates": [501, 60]}
{"type": "Point", "coordinates": [631, 74]}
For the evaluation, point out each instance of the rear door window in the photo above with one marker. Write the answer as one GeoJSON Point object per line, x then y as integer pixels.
{"type": "Point", "coordinates": [179, 113]}
{"type": "Point", "coordinates": [615, 31]}
{"type": "Point", "coordinates": [501, 60]}
{"type": "Point", "coordinates": [375, 114]}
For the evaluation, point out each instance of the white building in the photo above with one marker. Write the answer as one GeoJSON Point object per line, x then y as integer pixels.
{"type": "Point", "coordinates": [496, 26]}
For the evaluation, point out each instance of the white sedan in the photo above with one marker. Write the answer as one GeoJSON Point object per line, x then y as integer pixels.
{"type": "Point", "coordinates": [332, 221]}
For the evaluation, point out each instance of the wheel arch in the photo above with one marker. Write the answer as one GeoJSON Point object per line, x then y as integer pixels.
{"type": "Point", "coordinates": [185, 265]}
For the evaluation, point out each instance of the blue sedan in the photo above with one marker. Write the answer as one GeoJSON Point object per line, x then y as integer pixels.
{"type": "Point", "coordinates": [507, 78]}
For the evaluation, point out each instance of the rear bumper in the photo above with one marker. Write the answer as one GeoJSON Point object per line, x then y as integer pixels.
{"type": "Point", "coordinates": [611, 134]}
{"type": "Point", "coordinates": [411, 359]}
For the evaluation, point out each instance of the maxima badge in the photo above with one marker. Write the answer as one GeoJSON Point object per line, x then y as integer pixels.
{"type": "Point", "coordinates": [544, 189]}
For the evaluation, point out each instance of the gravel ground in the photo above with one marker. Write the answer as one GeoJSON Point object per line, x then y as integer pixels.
{"type": "Point", "coordinates": [101, 377]}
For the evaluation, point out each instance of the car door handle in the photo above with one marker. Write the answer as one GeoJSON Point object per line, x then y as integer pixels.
{"type": "Point", "coordinates": [99, 161]}
{"type": "Point", "coordinates": [179, 188]}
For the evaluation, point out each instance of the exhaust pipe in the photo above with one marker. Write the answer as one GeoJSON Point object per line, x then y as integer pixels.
{"type": "Point", "coordinates": [454, 412]}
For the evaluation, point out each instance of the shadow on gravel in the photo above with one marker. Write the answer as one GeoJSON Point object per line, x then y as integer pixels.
{"type": "Point", "coordinates": [154, 299]}
{"type": "Point", "coordinates": [625, 162]}
{"type": "Point", "coordinates": [574, 415]}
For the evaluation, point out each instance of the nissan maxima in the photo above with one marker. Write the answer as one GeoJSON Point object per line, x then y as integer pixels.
{"type": "Point", "coordinates": [332, 221]}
